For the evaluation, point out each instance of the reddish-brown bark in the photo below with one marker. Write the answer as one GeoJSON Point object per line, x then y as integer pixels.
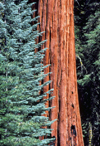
{"type": "Point", "coordinates": [57, 20]}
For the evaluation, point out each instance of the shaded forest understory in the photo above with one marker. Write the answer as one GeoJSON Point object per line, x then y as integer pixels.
{"type": "Point", "coordinates": [87, 40]}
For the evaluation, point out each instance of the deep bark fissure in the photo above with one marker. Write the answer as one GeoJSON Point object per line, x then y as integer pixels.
{"type": "Point", "coordinates": [49, 37]}
{"type": "Point", "coordinates": [46, 12]}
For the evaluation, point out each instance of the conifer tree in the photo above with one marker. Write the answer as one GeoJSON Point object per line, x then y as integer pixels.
{"type": "Point", "coordinates": [21, 69]}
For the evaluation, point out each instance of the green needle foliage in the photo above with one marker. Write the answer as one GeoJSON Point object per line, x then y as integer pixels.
{"type": "Point", "coordinates": [21, 71]}
{"type": "Point", "coordinates": [88, 48]}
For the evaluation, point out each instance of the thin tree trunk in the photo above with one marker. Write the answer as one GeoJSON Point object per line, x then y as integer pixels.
{"type": "Point", "coordinates": [57, 20]}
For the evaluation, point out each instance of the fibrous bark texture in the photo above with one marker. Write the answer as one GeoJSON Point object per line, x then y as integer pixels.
{"type": "Point", "coordinates": [57, 20]}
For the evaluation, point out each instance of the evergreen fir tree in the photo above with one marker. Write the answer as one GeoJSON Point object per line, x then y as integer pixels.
{"type": "Point", "coordinates": [21, 105]}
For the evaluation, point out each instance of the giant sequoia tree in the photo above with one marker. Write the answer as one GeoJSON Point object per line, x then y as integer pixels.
{"type": "Point", "coordinates": [56, 19]}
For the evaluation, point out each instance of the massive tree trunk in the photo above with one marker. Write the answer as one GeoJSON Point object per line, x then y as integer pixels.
{"type": "Point", "coordinates": [57, 20]}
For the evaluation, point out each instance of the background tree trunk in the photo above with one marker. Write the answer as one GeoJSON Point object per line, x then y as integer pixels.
{"type": "Point", "coordinates": [57, 20]}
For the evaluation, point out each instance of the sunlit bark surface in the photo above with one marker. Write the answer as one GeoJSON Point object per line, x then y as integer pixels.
{"type": "Point", "coordinates": [57, 20]}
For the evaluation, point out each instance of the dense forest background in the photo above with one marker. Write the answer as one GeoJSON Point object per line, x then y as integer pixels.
{"type": "Point", "coordinates": [87, 39]}
{"type": "Point", "coordinates": [21, 105]}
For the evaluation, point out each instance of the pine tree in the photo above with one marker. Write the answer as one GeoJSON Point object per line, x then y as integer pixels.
{"type": "Point", "coordinates": [21, 69]}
